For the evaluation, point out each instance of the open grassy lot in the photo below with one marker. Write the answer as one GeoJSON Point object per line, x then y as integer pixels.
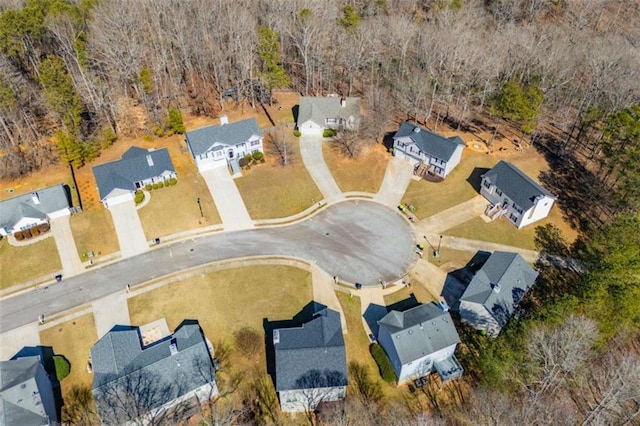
{"type": "Point", "coordinates": [272, 191]}
{"type": "Point", "coordinates": [356, 340]}
{"type": "Point", "coordinates": [450, 259]}
{"type": "Point", "coordinates": [93, 230]}
{"type": "Point", "coordinates": [461, 185]}
{"type": "Point", "coordinates": [174, 208]}
{"type": "Point", "coordinates": [73, 339]}
{"type": "Point", "coordinates": [20, 264]}
{"type": "Point", "coordinates": [364, 173]}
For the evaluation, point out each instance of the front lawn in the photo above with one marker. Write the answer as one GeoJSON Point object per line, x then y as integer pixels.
{"type": "Point", "coordinates": [93, 230]}
{"type": "Point", "coordinates": [416, 294]}
{"type": "Point", "coordinates": [20, 264]}
{"type": "Point", "coordinates": [364, 173]}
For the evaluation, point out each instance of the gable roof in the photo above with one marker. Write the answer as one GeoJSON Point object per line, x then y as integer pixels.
{"type": "Point", "coordinates": [429, 142]}
{"type": "Point", "coordinates": [515, 184]}
{"type": "Point", "coordinates": [119, 354]}
{"type": "Point", "coordinates": [303, 352]}
{"type": "Point", "coordinates": [203, 139]}
{"type": "Point", "coordinates": [137, 164]}
{"type": "Point", "coordinates": [318, 108]}
{"type": "Point", "coordinates": [20, 398]}
{"type": "Point", "coordinates": [50, 200]}
{"type": "Point", "coordinates": [420, 331]}
{"type": "Point", "coordinates": [513, 276]}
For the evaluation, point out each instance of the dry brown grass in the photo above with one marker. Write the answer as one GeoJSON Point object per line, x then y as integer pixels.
{"type": "Point", "coordinates": [415, 291]}
{"type": "Point", "coordinates": [364, 173]}
{"type": "Point", "coordinates": [20, 264]}
{"type": "Point", "coordinates": [93, 230]}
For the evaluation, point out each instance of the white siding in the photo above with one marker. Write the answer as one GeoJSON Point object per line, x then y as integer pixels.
{"type": "Point", "coordinates": [118, 199]}
{"type": "Point", "coordinates": [208, 161]}
{"type": "Point", "coordinates": [477, 316]}
{"type": "Point", "coordinates": [299, 400]}
{"type": "Point", "coordinates": [454, 160]}
{"type": "Point", "coordinates": [423, 366]}
{"type": "Point", "coordinates": [539, 211]}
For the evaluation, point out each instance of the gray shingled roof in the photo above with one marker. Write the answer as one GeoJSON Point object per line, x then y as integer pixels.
{"type": "Point", "coordinates": [511, 273]}
{"type": "Point", "coordinates": [119, 356]}
{"type": "Point", "coordinates": [317, 109]}
{"type": "Point", "coordinates": [429, 142]}
{"type": "Point", "coordinates": [131, 168]}
{"type": "Point", "coordinates": [51, 199]}
{"type": "Point", "coordinates": [420, 331]}
{"type": "Point", "coordinates": [203, 139]}
{"type": "Point", "coordinates": [20, 401]}
{"type": "Point", "coordinates": [515, 184]}
{"type": "Point", "coordinates": [316, 347]}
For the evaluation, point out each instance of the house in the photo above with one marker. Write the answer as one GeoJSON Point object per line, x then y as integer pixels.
{"type": "Point", "coordinates": [514, 195]}
{"type": "Point", "coordinates": [315, 114]}
{"type": "Point", "coordinates": [132, 380]}
{"type": "Point", "coordinates": [35, 208]}
{"type": "Point", "coordinates": [224, 145]}
{"type": "Point", "coordinates": [119, 180]}
{"type": "Point", "coordinates": [26, 393]}
{"type": "Point", "coordinates": [419, 341]}
{"type": "Point", "coordinates": [428, 151]}
{"type": "Point", "coordinates": [495, 290]}
{"type": "Point", "coordinates": [310, 363]}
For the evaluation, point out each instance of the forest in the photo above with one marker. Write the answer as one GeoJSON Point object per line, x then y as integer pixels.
{"type": "Point", "coordinates": [559, 76]}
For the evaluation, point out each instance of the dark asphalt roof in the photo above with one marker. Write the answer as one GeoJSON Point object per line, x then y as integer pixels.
{"type": "Point", "coordinates": [202, 140]}
{"type": "Point", "coordinates": [515, 184]}
{"type": "Point", "coordinates": [119, 356]}
{"type": "Point", "coordinates": [51, 199]}
{"type": "Point", "coordinates": [131, 168]}
{"type": "Point", "coordinates": [511, 273]}
{"type": "Point", "coordinates": [319, 108]}
{"type": "Point", "coordinates": [429, 142]}
{"type": "Point", "coordinates": [20, 401]}
{"type": "Point", "coordinates": [312, 355]}
{"type": "Point", "coordinates": [420, 331]}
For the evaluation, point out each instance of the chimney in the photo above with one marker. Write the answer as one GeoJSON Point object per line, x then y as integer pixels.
{"type": "Point", "coordinates": [276, 337]}
{"type": "Point", "coordinates": [224, 120]}
{"type": "Point", "coordinates": [343, 102]}
{"type": "Point", "coordinates": [496, 288]}
{"type": "Point", "coordinates": [442, 304]}
{"type": "Point", "coordinates": [35, 198]}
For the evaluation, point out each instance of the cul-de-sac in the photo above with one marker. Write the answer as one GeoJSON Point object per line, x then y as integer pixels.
{"type": "Point", "coordinates": [319, 212]}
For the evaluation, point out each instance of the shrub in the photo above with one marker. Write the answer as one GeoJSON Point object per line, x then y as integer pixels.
{"type": "Point", "coordinates": [107, 137]}
{"type": "Point", "coordinates": [35, 231]}
{"type": "Point", "coordinates": [328, 133]}
{"type": "Point", "coordinates": [262, 160]}
{"type": "Point", "coordinates": [258, 156]}
{"type": "Point", "coordinates": [248, 341]}
{"type": "Point", "coordinates": [384, 365]}
{"type": "Point", "coordinates": [139, 197]}
{"type": "Point", "coordinates": [147, 138]}
{"type": "Point", "coordinates": [18, 235]}
{"type": "Point", "coordinates": [172, 181]}
{"type": "Point", "coordinates": [156, 186]}
{"type": "Point", "coordinates": [297, 133]}
{"type": "Point", "coordinates": [148, 187]}
{"type": "Point", "coordinates": [159, 131]}
{"type": "Point", "coordinates": [63, 368]}
{"type": "Point", "coordinates": [174, 121]}
{"type": "Point", "coordinates": [161, 184]}
{"type": "Point", "coordinates": [44, 227]}
{"type": "Point", "coordinates": [246, 160]}
{"type": "Point", "coordinates": [27, 233]}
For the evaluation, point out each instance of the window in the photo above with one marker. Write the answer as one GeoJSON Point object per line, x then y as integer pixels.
{"type": "Point", "coordinates": [486, 184]}
{"type": "Point", "coordinates": [254, 143]}
{"type": "Point", "coordinates": [217, 154]}
{"type": "Point", "coordinates": [516, 208]}
{"type": "Point", "coordinates": [498, 192]}
{"type": "Point", "coordinates": [331, 121]}
{"type": "Point", "coordinates": [513, 218]}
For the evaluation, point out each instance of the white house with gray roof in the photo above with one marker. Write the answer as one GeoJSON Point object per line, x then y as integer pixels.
{"type": "Point", "coordinates": [315, 114]}
{"type": "Point", "coordinates": [224, 145]}
{"type": "Point", "coordinates": [440, 155]}
{"type": "Point", "coordinates": [119, 180]}
{"type": "Point", "coordinates": [32, 209]}
{"type": "Point", "coordinates": [514, 195]}
{"type": "Point", "coordinates": [495, 291]}
{"type": "Point", "coordinates": [26, 393]}
{"type": "Point", "coordinates": [158, 381]}
{"type": "Point", "coordinates": [311, 363]}
{"type": "Point", "coordinates": [420, 341]}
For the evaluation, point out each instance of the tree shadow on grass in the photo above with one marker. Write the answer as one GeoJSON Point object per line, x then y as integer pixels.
{"type": "Point", "coordinates": [475, 178]}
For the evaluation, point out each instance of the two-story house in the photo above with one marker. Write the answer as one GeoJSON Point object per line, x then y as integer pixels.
{"type": "Point", "coordinates": [315, 114]}
{"type": "Point", "coordinates": [514, 195]}
{"type": "Point", "coordinates": [436, 154]}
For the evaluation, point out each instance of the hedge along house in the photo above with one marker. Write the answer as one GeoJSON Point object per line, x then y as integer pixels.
{"type": "Point", "coordinates": [310, 363]}
{"type": "Point", "coordinates": [119, 180]}
{"type": "Point", "coordinates": [515, 195]}
{"type": "Point", "coordinates": [420, 341]}
{"type": "Point", "coordinates": [430, 153]}
{"type": "Point", "coordinates": [316, 114]}
{"type": "Point", "coordinates": [35, 208]}
{"type": "Point", "coordinates": [224, 145]}
{"type": "Point", "coordinates": [495, 291]}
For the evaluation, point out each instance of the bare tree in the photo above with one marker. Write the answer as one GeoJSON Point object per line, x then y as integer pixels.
{"type": "Point", "coordinates": [279, 144]}
{"type": "Point", "coordinates": [349, 141]}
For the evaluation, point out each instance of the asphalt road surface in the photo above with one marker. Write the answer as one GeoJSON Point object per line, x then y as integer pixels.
{"type": "Point", "coordinates": [359, 241]}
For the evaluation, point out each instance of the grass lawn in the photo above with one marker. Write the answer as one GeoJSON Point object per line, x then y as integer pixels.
{"type": "Point", "coordinates": [20, 264]}
{"type": "Point", "coordinates": [356, 340]}
{"type": "Point", "coordinates": [73, 339]}
{"type": "Point", "coordinates": [430, 198]}
{"type": "Point", "coordinates": [174, 208]}
{"type": "Point", "coordinates": [272, 191]}
{"type": "Point", "coordinates": [364, 173]}
{"type": "Point", "coordinates": [93, 230]}
{"type": "Point", "coordinates": [450, 259]}
{"type": "Point", "coordinates": [416, 291]}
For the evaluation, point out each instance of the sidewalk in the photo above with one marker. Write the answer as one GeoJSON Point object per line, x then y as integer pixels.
{"type": "Point", "coordinates": [311, 152]}
{"type": "Point", "coordinates": [396, 180]}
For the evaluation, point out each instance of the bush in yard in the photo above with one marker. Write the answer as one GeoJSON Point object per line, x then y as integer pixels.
{"type": "Point", "coordinates": [148, 187]}
{"type": "Point", "coordinates": [27, 233]}
{"type": "Point", "coordinates": [328, 133]}
{"type": "Point", "coordinates": [161, 184]}
{"type": "Point", "coordinates": [384, 365]}
{"type": "Point", "coordinates": [258, 156]}
{"type": "Point", "coordinates": [172, 181]}
{"type": "Point", "coordinates": [156, 186]}
{"type": "Point", "coordinates": [44, 227]}
{"type": "Point", "coordinates": [18, 235]}
{"type": "Point", "coordinates": [246, 160]}
{"type": "Point", "coordinates": [63, 368]}
{"type": "Point", "coordinates": [139, 197]}
{"type": "Point", "coordinates": [35, 231]}
{"type": "Point", "coordinates": [174, 121]}
{"type": "Point", "coordinates": [248, 341]}
{"type": "Point", "coordinates": [297, 133]}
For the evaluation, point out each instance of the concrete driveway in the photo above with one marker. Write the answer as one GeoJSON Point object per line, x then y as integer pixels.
{"type": "Point", "coordinates": [396, 180]}
{"type": "Point", "coordinates": [61, 230]}
{"type": "Point", "coordinates": [128, 228]}
{"type": "Point", "coordinates": [227, 198]}
{"type": "Point", "coordinates": [359, 241]}
{"type": "Point", "coordinates": [453, 216]}
{"type": "Point", "coordinates": [311, 151]}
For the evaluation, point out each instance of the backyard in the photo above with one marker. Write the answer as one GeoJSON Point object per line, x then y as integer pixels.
{"type": "Point", "coordinates": [21, 264]}
{"type": "Point", "coordinates": [364, 173]}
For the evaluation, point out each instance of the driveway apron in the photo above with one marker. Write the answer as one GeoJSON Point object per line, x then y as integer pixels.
{"type": "Point", "coordinates": [396, 180]}
{"type": "Point", "coordinates": [311, 151]}
{"type": "Point", "coordinates": [111, 310]}
{"type": "Point", "coordinates": [71, 264]}
{"type": "Point", "coordinates": [227, 198]}
{"type": "Point", "coordinates": [12, 341]}
{"type": "Point", "coordinates": [129, 229]}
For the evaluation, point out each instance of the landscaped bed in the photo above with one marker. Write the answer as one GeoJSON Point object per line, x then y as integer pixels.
{"type": "Point", "coordinates": [364, 173]}
{"type": "Point", "coordinates": [24, 263]}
